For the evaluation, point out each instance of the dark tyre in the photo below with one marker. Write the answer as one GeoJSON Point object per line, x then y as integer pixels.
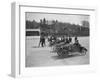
{"type": "Point", "coordinates": [83, 51]}
{"type": "Point", "coordinates": [65, 53]}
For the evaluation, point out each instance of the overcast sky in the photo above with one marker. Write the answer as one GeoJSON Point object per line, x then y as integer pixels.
{"type": "Point", "coordinates": [74, 19]}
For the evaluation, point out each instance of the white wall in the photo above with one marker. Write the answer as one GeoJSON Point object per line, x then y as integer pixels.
{"type": "Point", "coordinates": [5, 38]}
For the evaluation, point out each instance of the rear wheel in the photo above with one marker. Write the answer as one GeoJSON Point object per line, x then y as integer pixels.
{"type": "Point", "coordinates": [65, 53]}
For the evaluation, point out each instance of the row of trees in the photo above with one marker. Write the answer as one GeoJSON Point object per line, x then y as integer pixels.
{"type": "Point", "coordinates": [59, 28]}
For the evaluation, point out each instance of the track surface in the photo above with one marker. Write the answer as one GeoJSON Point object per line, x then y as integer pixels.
{"type": "Point", "coordinates": [42, 56]}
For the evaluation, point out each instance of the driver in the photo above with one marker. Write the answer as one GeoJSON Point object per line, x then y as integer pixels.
{"type": "Point", "coordinates": [77, 42]}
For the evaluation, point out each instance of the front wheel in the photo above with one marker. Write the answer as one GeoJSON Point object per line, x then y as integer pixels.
{"type": "Point", "coordinates": [83, 52]}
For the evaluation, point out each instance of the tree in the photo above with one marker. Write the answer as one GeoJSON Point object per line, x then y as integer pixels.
{"type": "Point", "coordinates": [85, 23]}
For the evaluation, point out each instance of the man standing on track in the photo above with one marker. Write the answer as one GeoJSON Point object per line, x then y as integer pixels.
{"type": "Point", "coordinates": [42, 40]}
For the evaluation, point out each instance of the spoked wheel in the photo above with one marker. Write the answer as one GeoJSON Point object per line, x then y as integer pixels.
{"type": "Point", "coordinates": [63, 53]}
{"type": "Point", "coordinates": [59, 53]}
{"type": "Point", "coordinates": [83, 52]}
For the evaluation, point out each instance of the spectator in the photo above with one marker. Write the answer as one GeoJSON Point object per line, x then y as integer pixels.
{"type": "Point", "coordinates": [70, 39]}
{"type": "Point", "coordinates": [42, 40]}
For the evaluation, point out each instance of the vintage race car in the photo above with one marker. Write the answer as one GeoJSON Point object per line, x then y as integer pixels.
{"type": "Point", "coordinates": [65, 50]}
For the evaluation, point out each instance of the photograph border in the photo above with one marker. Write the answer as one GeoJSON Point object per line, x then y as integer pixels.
{"type": "Point", "coordinates": [59, 15]}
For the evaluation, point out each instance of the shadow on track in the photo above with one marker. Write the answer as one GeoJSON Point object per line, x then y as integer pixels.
{"type": "Point", "coordinates": [63, 57]}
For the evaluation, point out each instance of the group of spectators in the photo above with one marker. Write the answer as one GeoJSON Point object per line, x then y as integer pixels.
{"type": "Point", "coordinates": [66, 39]}
{"type": "Point", "coordinates": [52, 38]}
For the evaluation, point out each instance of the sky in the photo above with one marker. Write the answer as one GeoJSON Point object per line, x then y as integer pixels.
{"type": "Point", "coordinates": [69, 18]}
